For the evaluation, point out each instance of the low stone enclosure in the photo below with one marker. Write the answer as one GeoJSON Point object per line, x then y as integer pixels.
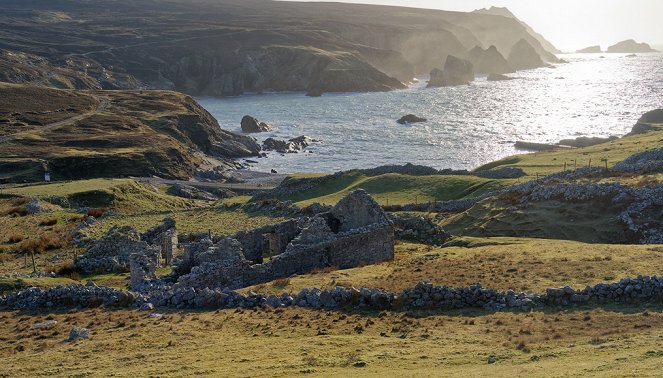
{"type": "Point", "coordinates": [355, 232]}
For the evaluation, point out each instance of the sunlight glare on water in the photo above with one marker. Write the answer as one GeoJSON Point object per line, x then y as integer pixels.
{"type": "Point", "coordinates": [467, 126]}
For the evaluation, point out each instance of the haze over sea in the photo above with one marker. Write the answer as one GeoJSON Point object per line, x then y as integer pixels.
{"type": "Point", "coordinates": [467, 126]}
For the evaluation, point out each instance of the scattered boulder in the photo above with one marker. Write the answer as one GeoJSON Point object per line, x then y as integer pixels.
{"type": "Point", "coordinates": [411, 118]}
{"type": "Point", "coordinates": [524, 57]}
{"type": "Point", "coordinates": [630, 46]}
{"type": "Point", "coordinates": [498, 77]}
{"type": "Point", "coordinates": [252, 125]}
{"type": "Point", "coordinates": [35, 206]}
{"type": "Point", "coordinates": [489, 61]}
{"type": "Point", "coordinates": [456, 72]}
{"type": "Point", "coordinates": [45, 325]}
{"type": "Point", "coordinates": [78, 333]}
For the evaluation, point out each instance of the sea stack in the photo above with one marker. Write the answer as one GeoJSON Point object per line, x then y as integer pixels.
{"type": "Point", "coordinates": [524, 57]}
{"type": "Point", "coordinates": [489, 61]}
{"type": "Point", "coordinates": [456, 72]}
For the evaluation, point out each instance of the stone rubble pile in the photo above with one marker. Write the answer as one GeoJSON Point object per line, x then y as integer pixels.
{"type": "Point", "coordinates": [418, 229]}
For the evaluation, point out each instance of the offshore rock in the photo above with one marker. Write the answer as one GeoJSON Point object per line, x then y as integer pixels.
{"type": "Point", "coordinates": [252, 125]}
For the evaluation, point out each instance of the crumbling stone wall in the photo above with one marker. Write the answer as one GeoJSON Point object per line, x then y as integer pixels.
{"type": "Point", "coordinates": [143, 267]}
{"type": "Point", "coordinates": [253, 241]}
{"type": "Point", "coordinates": [355, 232]}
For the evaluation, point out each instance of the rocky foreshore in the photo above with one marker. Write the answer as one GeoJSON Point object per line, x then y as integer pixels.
{"type": "Point", "coordinates": [423, 296]}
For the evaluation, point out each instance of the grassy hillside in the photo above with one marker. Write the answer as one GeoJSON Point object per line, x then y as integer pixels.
{"type": "Point", "coordinates": [389, 189]}
{"type": "Point", "coordinates": [215, 51]}
{"type": "Point", "coordinates": [547, 162]}
{"type": "Point", "coordinates": [587, 222]}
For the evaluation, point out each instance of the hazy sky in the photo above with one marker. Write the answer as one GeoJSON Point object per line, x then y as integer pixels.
{"type": "Point", "coordinates": [568, 24]}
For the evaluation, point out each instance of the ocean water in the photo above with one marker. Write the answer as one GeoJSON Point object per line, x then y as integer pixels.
{"type": "Point", "coordinates": [467, 126]}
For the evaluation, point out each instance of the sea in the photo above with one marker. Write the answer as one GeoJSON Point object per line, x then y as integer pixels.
{"type": "Point", "coordinates": [592, 95]}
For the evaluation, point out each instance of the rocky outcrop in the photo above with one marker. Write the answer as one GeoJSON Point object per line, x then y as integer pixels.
{"type": "Point", "coordinates": [190, 192]}
{"type": "Point", "coordinates": [585, 141]}
{"type": "Point", "coordinates": [648, 122]}
{"type": "Point", "coordinates": [252, 125]}
{"type": "Point", "coordinates": [630, 46]}
{"type": "Point", "coordinates": [456, 72]}
{"type": "Point", "coordinates": [488, 61]}
{"type": "Point", "coordinates": [293, 145]}
{"type": "Point", "coordinates": [590, 50]}
{"type": "Point", "coordinates": [524, 57]}
{"type": "Point", "coordinates": [110, 134]}
{"type": "Point", "coordinates": [411, 118]}
{"type": "Point", "coordinates": [499, 77]}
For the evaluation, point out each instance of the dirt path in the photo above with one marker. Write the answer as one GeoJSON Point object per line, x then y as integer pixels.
{"type": "Point", "coordinates": [103, 104]}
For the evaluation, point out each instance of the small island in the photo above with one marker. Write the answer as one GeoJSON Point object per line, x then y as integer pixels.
{"type": "Point", "coordinates": [590, 50]}
{"type": "Point", "coordinates": [630, 46]}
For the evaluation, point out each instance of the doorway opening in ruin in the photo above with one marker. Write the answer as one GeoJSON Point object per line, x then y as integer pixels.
{"type": "Point", "coordinates": [271, 245]}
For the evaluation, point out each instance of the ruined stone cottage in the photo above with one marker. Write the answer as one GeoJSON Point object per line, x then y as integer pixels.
{"type": "Point", "coordinates": [112, 253]}
{"type": "Point", "coordinates": [355, 232]}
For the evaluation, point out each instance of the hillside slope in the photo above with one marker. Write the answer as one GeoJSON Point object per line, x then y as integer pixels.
{"type": "Point", "coordinates": [83, 134]}
{"type": "Point", "coordinates": [225, 47]}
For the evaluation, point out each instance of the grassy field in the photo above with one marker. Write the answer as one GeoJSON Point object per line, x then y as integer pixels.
{"type": "Point", "coordinates": [395, 189]}
{"type": "Point", "coordinates": [610, 341]}
{"type": "Point", "coordinates": [264, 342]}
